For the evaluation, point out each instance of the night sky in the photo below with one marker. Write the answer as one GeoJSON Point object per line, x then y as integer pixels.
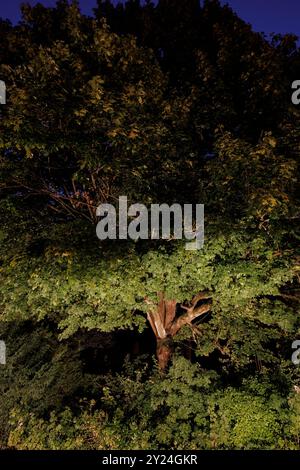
{"type": "Point", "coordinates": [279, 16]}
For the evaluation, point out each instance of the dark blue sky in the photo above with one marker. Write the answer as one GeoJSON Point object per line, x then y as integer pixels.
{"type": "Point", "coordinates": [280, 16]}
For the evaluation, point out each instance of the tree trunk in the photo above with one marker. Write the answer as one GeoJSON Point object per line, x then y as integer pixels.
{"type": "Point", "coordinates": [164, 351]}
{"type": "Point", "coordinates": [165, 324]}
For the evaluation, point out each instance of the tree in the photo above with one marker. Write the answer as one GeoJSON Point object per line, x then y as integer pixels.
{"type": "Point", "coordinates": [94, 113]}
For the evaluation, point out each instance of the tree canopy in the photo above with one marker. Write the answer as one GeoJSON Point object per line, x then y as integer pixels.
{"type": "Point", "coordinates": [167, 103]}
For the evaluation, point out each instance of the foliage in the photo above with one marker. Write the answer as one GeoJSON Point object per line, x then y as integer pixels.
{"type": "Point", "coordinates": [186, 410]}
{"type": "Point", "coordinates": [192, 107]}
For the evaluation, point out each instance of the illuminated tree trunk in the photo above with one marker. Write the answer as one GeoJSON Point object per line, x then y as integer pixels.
{"type": "Point", "coordinates": [164, 351]}
{"type": "Point", "coordinates": [165, 324]}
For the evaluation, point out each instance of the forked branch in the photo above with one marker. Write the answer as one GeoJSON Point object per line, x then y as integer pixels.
{"type": "Point", "coordinates": [165, 324]}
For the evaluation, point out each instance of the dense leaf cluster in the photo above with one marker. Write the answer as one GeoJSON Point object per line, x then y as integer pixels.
{"type": "Point", "coordinates": [163, 103]}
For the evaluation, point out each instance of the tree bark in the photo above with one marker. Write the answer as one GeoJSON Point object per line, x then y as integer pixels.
{"type": "Point", "coordinates": [164, 351]}
{"type": "Point", "coordinates": [166, 325]}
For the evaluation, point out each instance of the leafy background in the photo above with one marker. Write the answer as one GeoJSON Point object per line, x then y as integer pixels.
{"type": "Point", "coordinates": [185, 105]}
